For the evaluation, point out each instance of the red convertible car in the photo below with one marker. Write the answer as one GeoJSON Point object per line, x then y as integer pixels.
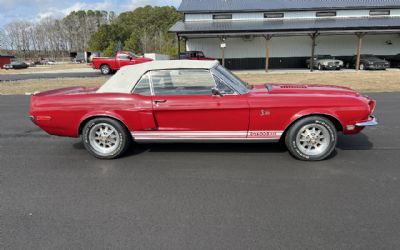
{"type": "Point", "coordinates": [200, 101]}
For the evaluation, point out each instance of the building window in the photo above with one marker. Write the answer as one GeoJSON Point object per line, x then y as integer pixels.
{"type": "Point", "coordinates": [379, 12]}
{"type": "Point", "coordinates": [222, 16]}
{"type": "Point", "coordinates": [326, 13]}
{"type": "Point", "coordinates": [274, 15]}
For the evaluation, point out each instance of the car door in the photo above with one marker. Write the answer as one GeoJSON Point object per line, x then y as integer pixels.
{"type": "Point", "coordinates": [184, 106]}
{"type": "Point", "coordinates": [123, 60]}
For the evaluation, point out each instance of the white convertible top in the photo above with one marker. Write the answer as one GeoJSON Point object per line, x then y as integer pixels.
{"type": "Point", "coordinates": [128, 76]}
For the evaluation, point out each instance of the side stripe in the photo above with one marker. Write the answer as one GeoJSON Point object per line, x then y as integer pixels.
{"type": "Point", "coordinates": [164, 135]}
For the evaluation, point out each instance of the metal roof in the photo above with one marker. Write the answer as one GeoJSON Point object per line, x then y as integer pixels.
{"type": "Point", "coordinates": [249, 26]}
{"type": "Point", "coordinates": [193, 6]}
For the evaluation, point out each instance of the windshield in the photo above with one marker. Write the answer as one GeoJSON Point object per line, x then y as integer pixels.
{"type": "Point", "coordinates": [241, 86]}
{"type": "Point", "coordinates": [369, 57]}
{"type": "Point", "coordinates": [132, 55]}
{"type": "Point", "coordinates": [200, 54]}
{"type": "Point", "coordinates": [324, 57]}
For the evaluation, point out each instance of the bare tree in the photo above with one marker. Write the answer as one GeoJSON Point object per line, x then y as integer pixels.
{"type": "Point", "coordinates": [52, 37]}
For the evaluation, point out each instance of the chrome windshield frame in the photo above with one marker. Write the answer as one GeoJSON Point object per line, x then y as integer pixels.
{"type": "Point", "coordinates": [229, 81]}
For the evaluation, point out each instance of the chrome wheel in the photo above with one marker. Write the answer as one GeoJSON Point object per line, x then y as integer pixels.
{"type": "Point", "coordinates": [313, 140]}
{"type": "Point", "coordinates": [105, 69]}
{"type": "Point", "coordinates": [104, 139]}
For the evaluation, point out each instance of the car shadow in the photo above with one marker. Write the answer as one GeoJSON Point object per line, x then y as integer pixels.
{"type": "Point", "coordinates": [208, 148]}
{"type": "Point", "coordinates": [353, 142]}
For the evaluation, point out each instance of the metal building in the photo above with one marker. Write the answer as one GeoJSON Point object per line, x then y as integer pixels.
{"type": "Point", "coordinates": [255, 34]}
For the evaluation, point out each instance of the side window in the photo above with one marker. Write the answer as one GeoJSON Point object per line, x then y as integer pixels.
{"type": "Point", "coordinates": [123, 57]}
{"type": "Point", "coordinates": [143, 86]}
{"type": "Point", "coordinates": [184, 56]}
{"type": "Point", "coordinates": [182, 82]}
{"type": "Point", "coordinates": [222, 87]}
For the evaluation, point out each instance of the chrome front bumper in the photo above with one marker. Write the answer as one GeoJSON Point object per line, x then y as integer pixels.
{"type": "Point", "coordinates": [372, 122]}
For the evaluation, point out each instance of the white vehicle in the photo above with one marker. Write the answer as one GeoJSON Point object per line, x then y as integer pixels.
{"type": "Point", "coordinates": [326, 62]}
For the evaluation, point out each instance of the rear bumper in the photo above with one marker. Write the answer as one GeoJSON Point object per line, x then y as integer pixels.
{"type": "Point", "coordinates": [371, 122]}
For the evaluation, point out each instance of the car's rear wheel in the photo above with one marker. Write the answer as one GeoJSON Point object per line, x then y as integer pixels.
{"type": "Point", "coordinates": [312, 139]}
{"type": "Point", "coordinates": [106, 138]}
{"type": "Point", "coordinates": [105, 69]}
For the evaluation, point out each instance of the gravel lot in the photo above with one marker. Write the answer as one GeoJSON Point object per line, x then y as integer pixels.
{"type": "Point", "coordinates": [241, 196]}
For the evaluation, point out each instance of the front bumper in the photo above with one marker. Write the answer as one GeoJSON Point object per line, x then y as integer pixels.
{"type": "Point", "coordinates": [332, 67]}
{"type": "Point", "coordinates": [376, 67]}
{"type": "Point", "coordinates": [371, 122]}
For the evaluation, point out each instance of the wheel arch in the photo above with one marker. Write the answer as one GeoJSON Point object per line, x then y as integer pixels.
{"type": "Point", "coordinates": [336, 122]}
{"type": "Point", "coordinates": [85, 120]}
{"type": "Point", "coordinates": [102, 64]}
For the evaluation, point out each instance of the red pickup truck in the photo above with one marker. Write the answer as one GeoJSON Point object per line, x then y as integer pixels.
{"type": "Point", "coordinates": [123, 58]}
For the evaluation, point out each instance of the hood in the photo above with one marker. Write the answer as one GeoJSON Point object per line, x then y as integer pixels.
{"type": "Point", "coordinates": [375, 60]}
{"type": "Point", "coordinates": [301, 89]}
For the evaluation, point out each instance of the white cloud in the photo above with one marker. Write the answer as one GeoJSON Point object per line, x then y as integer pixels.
{"type": "Point", "coordinates": [133, 4]}
{"type": "Point", "coordinates": [57, 13]}
{"type": "Point", "coordinates": [12, 10]}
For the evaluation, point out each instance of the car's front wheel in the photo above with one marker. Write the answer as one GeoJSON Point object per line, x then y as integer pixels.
{"type": "Point", "coordinates": [106, 138]}
{"type": "Point", "coordinates": [312, 139]}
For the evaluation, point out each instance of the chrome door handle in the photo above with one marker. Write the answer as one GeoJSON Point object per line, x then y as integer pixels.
{"type": "Point", "coordinates": [160, 101]}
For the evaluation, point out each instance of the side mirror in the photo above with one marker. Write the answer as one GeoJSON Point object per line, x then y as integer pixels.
{"type": "Point", "coordinates": [216, 92]}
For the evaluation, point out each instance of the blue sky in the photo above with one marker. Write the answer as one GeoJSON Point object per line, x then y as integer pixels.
{"type": "Point", "coordinates": [11, 10]}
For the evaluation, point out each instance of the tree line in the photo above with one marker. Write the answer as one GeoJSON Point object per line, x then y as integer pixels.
{"type": "Point", "coordinates": [142, 30]}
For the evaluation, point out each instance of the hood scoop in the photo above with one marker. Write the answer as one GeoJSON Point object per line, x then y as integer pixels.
{"type": "Point", "coordinates": [286, 86]}
{"type": "Point", "coordinates": [293, 86]}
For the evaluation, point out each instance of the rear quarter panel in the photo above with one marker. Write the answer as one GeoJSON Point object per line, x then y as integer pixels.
{"type": "Point", "coordinates": [97, 62]}
{"type": "Point", "coordinates": [67, 112]}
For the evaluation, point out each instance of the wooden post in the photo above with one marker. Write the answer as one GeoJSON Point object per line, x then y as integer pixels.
{"type": "Point", "coordinates": [223, 39]}
{"type": "Point", "coordinates": [223, 56]}
{"type": "Point", "coordinates": [184, 43]}
{"type": "Point", "coordinates": [359, 47]}
{"type": "Point", "coordinates": [314, 38]}
{"type": "Point", "coordinates": [178, 56]}
{"type": "Point", "coordinates": [267, 54]}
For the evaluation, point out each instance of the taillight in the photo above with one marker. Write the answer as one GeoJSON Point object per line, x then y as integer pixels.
{"type": "Point", "coordinates": [372, 105]}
